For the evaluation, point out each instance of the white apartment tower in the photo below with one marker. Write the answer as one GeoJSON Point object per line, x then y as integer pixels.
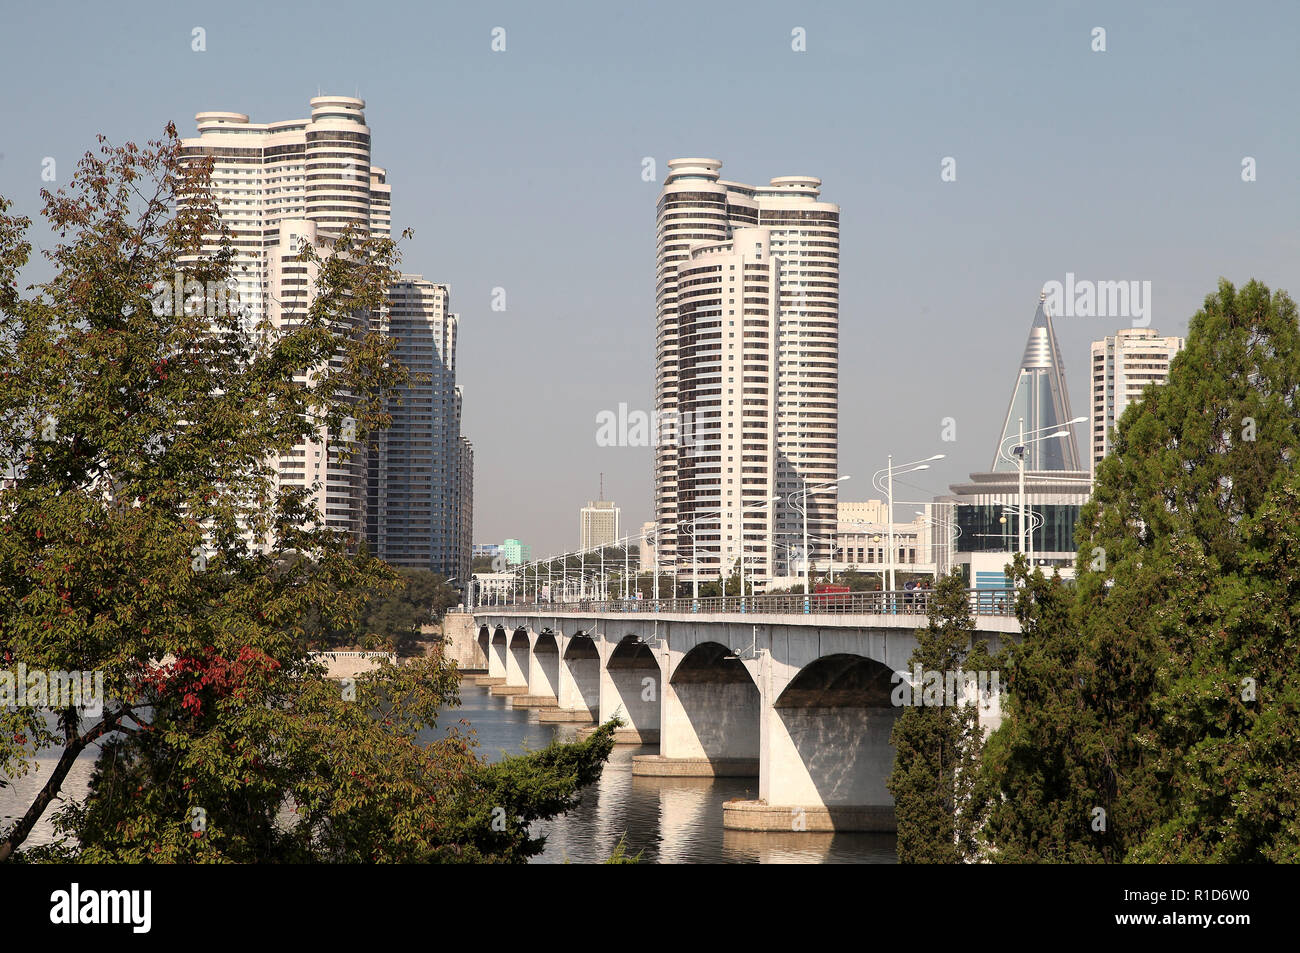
{"type": "Point", "coordinates": [747, 372]}
{"type": "Point", "coordinates": [277, 185]}
{"type": "Point", "coordinates": [305, 180]}
{"type": "Point", "coordinates": [1122, 367]}
{"type": "Point", "coordinates": [599, 523]}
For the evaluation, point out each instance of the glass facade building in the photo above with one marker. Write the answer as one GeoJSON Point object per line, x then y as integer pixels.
{"type": "Point", "coordinates": [993, 527]}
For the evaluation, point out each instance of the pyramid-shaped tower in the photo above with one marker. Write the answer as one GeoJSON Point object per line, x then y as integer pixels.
{"type": "Point", "coordinates": [1039, 397]}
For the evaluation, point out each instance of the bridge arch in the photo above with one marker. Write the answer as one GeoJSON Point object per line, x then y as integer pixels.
{"type": "Point", "coordinates": [712, 710]}
{"type": "Point", "coordinates": [579, 671]}
{"type": "Point", "coordinates": [630, 687]}
{"type": "Point", "coordinates": [829, 739]}
{"type": "Point", "coordinates": [517, 658]}
{"type": "Point", "coordinates": [544, 669]}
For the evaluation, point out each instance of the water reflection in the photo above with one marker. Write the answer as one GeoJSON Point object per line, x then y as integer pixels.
{"type": "Point", "coordinates": [670, 820]}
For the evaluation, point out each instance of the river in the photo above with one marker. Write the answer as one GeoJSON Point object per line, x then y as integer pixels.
{"type": "Point", "coordinates": [667, 820]}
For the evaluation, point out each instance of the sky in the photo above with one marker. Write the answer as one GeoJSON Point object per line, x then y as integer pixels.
{"type": "Point", "coordinates": [522, 170]}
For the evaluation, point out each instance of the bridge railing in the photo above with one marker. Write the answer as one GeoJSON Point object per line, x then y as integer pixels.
{"type": "Point", "coordinates": [983, 602]}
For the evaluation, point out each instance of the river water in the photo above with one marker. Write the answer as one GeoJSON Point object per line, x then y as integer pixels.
{"type": "Point", "coordinates": [667, 820]}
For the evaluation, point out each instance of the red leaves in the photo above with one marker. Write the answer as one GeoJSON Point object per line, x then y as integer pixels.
{"type": "Point", "coordinates": [200, 680]}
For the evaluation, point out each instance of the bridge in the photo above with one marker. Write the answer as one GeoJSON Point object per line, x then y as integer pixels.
{"type": "Point", "coordinates": [796, 691]}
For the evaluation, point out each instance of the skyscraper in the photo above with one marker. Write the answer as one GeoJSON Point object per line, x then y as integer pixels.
{"type": "Point", "coordinates": [1122, 367]}
{"type": "Point", "coordinates": [416, 481]}
{"type": "Point", "coordinates": [747, 368]}
{"type": "Point", "coordinates": [279, 185]}
{"type": "Point", "coordinates": [464, 542]}
{"type": "Point", "coordinates": [980, 522]}
{"type": "Point", "coordinates": [598, 523]}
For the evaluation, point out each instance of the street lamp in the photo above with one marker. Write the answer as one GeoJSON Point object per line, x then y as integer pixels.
{"type": "Point", "coordinates": [913, 467]}
{"type": "Point", "coordinates": [803, 495]}
{"type": "Point", "coordinates": [951, 533]}
{"type": "Point", "coordinates": [755, 508]}
{"type": "Point", "coordinates": [1019, 452]}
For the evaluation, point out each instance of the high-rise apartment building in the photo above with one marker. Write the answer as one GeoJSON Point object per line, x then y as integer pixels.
{"type": "Point", "coordinates": [277, 186]}
{"type": "Point", "coordinates": [747, 369]}
{"type": "Point", "coordinates": [416, 474]}
{"type": "Point", "coordinates": [1122, 367]}
{"type": "Point", "coordinates": [465, 503]}
{"type": "Point", "coordinates": [315, 170]}
{"type": "Point", "coordinates": [599, 523]}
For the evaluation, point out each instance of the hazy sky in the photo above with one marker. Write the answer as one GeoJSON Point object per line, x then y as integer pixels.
{"type": "Point", "coordinates": [522, 170]}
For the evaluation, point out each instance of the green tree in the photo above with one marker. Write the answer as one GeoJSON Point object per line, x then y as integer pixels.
{"type": "Point", "coordinates": [1153, 708]}
{"type": "Point", "coordinates": [393, 617]}
{"type": "Point", "coordinates": [937, 745]}
{"type": "Point", "coordinates": [144, 539]}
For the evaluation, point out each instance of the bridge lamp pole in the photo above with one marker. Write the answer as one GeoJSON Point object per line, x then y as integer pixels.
{"type": "Point", "coordinates": [913, 467]}
{"type": "Point", "coordinates": [803, 496]}
{"type": "Point", "coordinates": [695, 552]}
{"type": "Point", "coordinates": [1018, 453]}
{"type": "Point", "coordinates": [757, 507]}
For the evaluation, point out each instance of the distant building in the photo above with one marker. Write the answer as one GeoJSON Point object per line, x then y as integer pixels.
{"type": "Point", "coordinates": [747, 370]}
{"type": "Point", "coordinates": [861, 511]}
{"type": "Point", "coordinates": [516, 552]}
{"type": "Point", "coordinates": [981, 519]}
{"type": "Point", "coordinates": [599, 524]}
{"type": "Point", "coordinates": [465, 504]}
{"type": "Point", "coordinates": [862, 540]}
{"type": "Point", "coordinates": [495, 588]}
{"type": "Point", "coordinates": [649, 546]}
{"type": "Point", "coordinates": [1122, 367]}
{"type": "Point", "coordinates": [416, 510]}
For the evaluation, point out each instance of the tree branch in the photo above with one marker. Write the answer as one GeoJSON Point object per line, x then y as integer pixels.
{"type": "Point", "coordinates": [75, 745]}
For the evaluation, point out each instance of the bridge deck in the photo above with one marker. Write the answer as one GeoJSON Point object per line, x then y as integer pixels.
{"type": "Point", "coordinates": [992, 609]}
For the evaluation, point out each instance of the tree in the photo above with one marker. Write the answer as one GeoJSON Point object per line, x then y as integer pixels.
{"type": "Point", "coordinates": [144, 541]}
{"type": "Point", "coordinates": [1152, 710]}
{"type": "Point", "coordinates": [394, 617]}
{"type": "Point", "coordinates": [937, 745]}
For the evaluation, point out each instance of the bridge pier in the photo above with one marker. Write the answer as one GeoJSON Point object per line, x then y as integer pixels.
{"type": "Point", "coordinates": [630, 689]}
{"type": "Point", "coordinates": [578, 689]}
{"type": "Point", "coordinates": [496, 655]}
{"type": "Point", "coordinates": [709, 717]}
{"type": "Point", "coordinates": [825, 750]}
